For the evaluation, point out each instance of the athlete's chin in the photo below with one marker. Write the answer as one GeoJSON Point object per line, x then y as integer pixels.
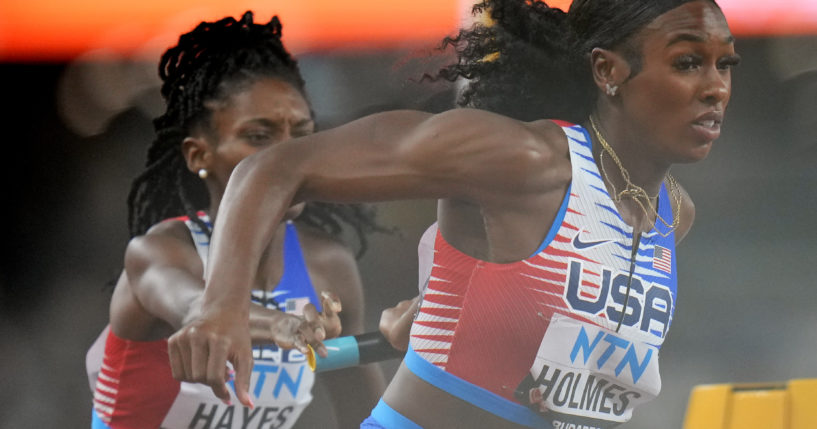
{"type": "Point", "coordinates": [698, 153]}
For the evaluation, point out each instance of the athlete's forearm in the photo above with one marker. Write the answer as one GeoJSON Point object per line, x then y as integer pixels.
{"type": "Point", "coordinates": [164, 276]}
{"type": "Point", "coordinates": [393, 155]}
{"type": "Point", "coordinates": [262, 187]}
{"type": "Point", "coordinates": [170, 294]}
{"type": "Point", "coordinates": [252, 208]}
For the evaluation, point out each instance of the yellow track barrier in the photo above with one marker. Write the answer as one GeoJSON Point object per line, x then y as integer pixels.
{"type": "Point", "coordinates": [790, 405]}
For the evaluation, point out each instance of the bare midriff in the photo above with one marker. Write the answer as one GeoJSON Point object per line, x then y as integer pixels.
{"type": "Point", "coordinates": [432, 408]}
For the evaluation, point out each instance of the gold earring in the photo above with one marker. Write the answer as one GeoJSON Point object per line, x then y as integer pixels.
{"type": "Point", "coordinates": [202, 173]}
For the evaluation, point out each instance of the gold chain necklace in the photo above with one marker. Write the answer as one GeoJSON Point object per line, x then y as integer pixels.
{"type": "Point", "coordinates": [635, 192]}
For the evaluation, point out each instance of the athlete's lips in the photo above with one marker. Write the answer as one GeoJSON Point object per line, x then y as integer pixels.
{"type": "Point", "coordinates": [708, 125]}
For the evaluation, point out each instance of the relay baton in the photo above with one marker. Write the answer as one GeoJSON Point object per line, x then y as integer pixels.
{"type": "Point", "coordinates": [353, 350]}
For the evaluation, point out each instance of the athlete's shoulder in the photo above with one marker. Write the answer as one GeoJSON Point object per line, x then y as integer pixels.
{"type": "Point", "coordinates": [171, 232]}
{"type": "Point", "coordinates": [168, 239]}
{"type": "Point", "coordinates": [481, 123]}
{"type": "Point", "coordinates": [553, 133]}
{"type": "Point", "coordinates": [170, 227]}
{"type": "Point", "coordinates": [553, 141]}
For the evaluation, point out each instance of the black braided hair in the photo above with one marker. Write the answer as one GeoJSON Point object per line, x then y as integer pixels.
{"type": "Point", "coordinates": [530, 61]}
{"type": "Point", "coordinates": [209, 63]}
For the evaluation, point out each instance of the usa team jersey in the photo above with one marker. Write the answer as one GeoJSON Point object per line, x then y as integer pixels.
{"type": "Point", "coordinates": [536, 341]}
{"type": "Point", "coordinates": [135, 389]}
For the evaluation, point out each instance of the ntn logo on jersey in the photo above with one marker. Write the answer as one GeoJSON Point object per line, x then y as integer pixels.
{"type": "Point", "coordinates": [649, 305]}
{"type": "Point", "coordinates": [269, 382]}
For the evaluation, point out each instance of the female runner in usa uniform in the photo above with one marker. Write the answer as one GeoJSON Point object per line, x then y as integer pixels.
{"type": "Point", "coordinates": [553, 280]}
{"type": "Point", "coordinates": [231, 89]}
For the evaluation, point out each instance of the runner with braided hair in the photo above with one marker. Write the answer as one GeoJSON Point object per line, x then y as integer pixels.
{"type": "Point", "coordinates": [231, 89]}
{"type": "Point", "coordinates": [204, 64]}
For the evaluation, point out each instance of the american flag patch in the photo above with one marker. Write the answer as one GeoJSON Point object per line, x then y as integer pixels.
{"type": "Point", "coordinates": [662, 259]}
{"type": "Point", "coordinates": [296, 305]}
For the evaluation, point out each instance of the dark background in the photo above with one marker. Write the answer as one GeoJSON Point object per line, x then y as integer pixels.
{"type": "Point", "coordinates": [746, 292]}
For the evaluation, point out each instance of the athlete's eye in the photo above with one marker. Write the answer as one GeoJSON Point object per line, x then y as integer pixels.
{"type": "Point", "coordinates": [728, 62]}
{"type": "Point", "coordinates": [258, 136]}
{"type": "Point", "coordinates": [687, 62]}
{"type": "Point", "coordinates": [303, 129]}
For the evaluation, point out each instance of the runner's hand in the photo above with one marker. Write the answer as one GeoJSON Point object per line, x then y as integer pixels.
{"type": "Point", "coordinates": [291, 331]}
{"type": "Point", "coordinates": [200, 350]}
{"type": "Point", "coordinates": [395, 322]}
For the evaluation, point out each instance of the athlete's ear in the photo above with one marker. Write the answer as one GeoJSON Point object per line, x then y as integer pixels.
{"type": "Point", "coordinates": [609, 70]}
{"type": "Point", "coordinates": [196, 153]}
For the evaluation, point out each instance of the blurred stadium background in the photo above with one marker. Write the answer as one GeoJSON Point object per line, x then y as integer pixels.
{"type": "Point", "coordinates": [79, 89]}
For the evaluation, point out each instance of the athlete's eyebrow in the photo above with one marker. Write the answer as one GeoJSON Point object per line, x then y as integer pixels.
{"type": "Point", "coordinates": [696, 38]}
{"type": "Point", "coordinates": [276, 123]}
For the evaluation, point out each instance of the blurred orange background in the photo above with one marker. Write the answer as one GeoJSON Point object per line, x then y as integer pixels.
{"type": "Point", "coordinates": [58, 30]}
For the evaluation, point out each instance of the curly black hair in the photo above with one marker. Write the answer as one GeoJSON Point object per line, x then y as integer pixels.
{"type": "Point", "coordinates": [527, 60]}
{"type": "Point", "coordinates": [209, 63]}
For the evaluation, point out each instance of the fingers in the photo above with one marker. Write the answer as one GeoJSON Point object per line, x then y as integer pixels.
{"type": "Point", "coordinates": [176, 360]}
{"type": "Point", "coordinates": [185, 347]}
{"type": "Point", "coordinates": [414, 306]}
{"type": "Point", "coordinates": [408, 304]}
{"type": "Point", "coordinates": [387, 318]}
{"type": "Point", "coordinates": [330, 303]}
{"type": "Point", "coordinates": [214, 370]}
{"type": "Point", "coordinates": [320, 349]}
{"type": "Point", "coordinates": [390, 316]}
{"type": "Point", "coordinates": [395, 322]}
{"type": "Point", "coordinates": [243, 363]}
{"type": "Point", "coordinates": [312, 332]}
{"type": "Point", "coordinates": [299, 342]}
{"type": "Point", "coordinates": [199, 355]}
{"type": "Point", "coordinates": [180, 356]}
{"type": "Point", "coordinates": [331, 306]}
{"type": "Point", "coordinates": [315, 331]}
{"type": "Point", "coordinates": [197, 352]}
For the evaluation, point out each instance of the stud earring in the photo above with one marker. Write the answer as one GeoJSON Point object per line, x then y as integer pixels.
{"type": "Point", "coordinates": [202, 173]}
{"type": "Point", "coordinates": [611, 90]}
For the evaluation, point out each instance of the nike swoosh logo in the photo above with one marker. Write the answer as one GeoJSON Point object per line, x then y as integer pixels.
{"type": "Point", "coordinates": [584, 245]}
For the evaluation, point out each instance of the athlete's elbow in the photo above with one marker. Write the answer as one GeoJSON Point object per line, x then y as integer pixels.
{"type": "Point", "coordinates": [269, 166]}
{"type": "Point", "coordinates": [253, 164]}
